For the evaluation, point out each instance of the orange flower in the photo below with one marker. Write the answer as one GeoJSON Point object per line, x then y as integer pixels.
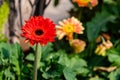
{"type": "Point", "coordinates": [104, 36]}
{"type": "Point", "coordinates": [101, 49]}
{"type": "Point", "coordinates": [86, 3]}
{"type": "Point", "coordinates": [107, 44]}
{"type": "Point", "coordinates": [69, 26]}
{"type": "Point", "coordinates": [78, 45]}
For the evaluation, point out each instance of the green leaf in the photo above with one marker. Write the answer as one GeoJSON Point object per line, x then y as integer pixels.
{"type": "Point", "coordinates": [82, 71]}
{"type": "Point", "coordinates": [8, 74]}
{"type": "Point", "coordinates": [1, 75]}
{"type": "Point", "coordinates": [46, 51]}
{"type": "Point", "coordinates": [69, 74]}
{"type": "Point", "coordinates": [53, 71]}
{"type": "Point", "coordinates": [114, 57]}
{"type": "Point", "coordinates": [79, 65]}
{"type": "Point", "coordinates": [12, 58]}
{"type": "Point", "coordinates": [16, 58]}
{"type": "Point", "coordinates": [4, 54]}
{"type": "Point", "coordinates": [109, 1]}
{"type": "Point", "coordinates": [96, 78]}
{"type": "Point", "coordinates": [72, 62]}
{"type": "Point", "coordinates": [114, 75]}
{"type": "Point", "coordinates": [63, 59]}
{"type": "Point", "coordinates": [98, 24]}
{"type": "Point", "coordinates": [75, 63]}
{"type": "Point", "coordinates": [30, 57]}
{"type": "Point", "coordinates": [118, 48]}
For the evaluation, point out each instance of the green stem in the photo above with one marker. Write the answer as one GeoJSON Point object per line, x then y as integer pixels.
{"type": "Point", "coordinates": [37, 60]}
{"type": "Point", "coordinates": [80, 14]}
{"type": "Point", "coordinates": [91, 49]}
{"type": "Point", "coordinates": [76, 36]}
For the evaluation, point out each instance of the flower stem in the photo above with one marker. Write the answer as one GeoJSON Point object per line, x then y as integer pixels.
{"type": "Point", "coordinates": [80, 14]}
{"type": "Point", "coordinates": [38, 53]}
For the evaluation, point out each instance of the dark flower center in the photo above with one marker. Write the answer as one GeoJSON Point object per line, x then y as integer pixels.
{"type": "Point", "coordinates": [39, 32]}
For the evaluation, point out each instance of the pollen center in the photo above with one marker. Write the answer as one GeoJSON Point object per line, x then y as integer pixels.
{"type": "Point", "coordinates": [39, 32]}
{"type": "Point", "coordinates": [68, 28]}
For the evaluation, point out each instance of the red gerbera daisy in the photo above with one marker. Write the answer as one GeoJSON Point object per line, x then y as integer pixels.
{"type": "Point", "coordinates": [39, 30]}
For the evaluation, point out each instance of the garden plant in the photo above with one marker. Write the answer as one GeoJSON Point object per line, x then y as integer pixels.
{"type": "Point", "coordinates": [84, 46]}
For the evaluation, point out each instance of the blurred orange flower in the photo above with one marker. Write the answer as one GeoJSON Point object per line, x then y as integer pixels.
{"type": "Point", "coordinates": [101, 49]}
{"type": "Point", "coordinates": [69, 26]}
{"type": "Point", "coordinates": [103, 35]}
{"type": "Point", "coordinates": [78, 45]}
{"type": "Point", "coordinates": [86, 3]}
{"type": "Point", "coordinates": [108, 44]}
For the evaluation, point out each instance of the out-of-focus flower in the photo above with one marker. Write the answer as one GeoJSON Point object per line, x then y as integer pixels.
{"type": "Point", "coordinates": [103, 35]}
{"type": "Point", "coordinates": [78, 45]}
{"type": "Point", "coordinates": [108, 44]}
{"type": "Point", "coordinates": [86, 3]}
{"type": "Point", "coordinates": [106, 36]}
{"type": "Point", "coordinates": [39, 30]}
{"type": "Point", "coordinates": [69, 26]}
{"type": "Point", "coordinates": [101, 49]}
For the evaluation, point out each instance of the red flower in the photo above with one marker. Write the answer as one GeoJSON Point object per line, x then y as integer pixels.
{"type": "Point", "coordinates": [39, 30]}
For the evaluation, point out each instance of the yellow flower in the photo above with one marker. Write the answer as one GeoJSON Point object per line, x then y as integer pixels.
{"type": "Point", "coordinates": [101, 49]}
{"type": "Point", "coordinates": [78, 45]}
{"type": "Point", "coordinates": [86, 3]}
{"type": "Point", "coordinates": [69, 26]}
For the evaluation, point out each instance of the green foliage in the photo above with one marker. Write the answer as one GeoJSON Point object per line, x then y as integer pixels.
{"type": "Point", "coordinates": [56, 65]}
{"type": "Point", "coordinates": [114, 57]}
{"type": "Point", "coordinates": [4, 11]}
{"type": "Point", "coordinates": [69, 74]}
{"type": "Point", "coordinates": [98, 24]}
{"type": "Point", "coordinates": [109, 1]}
{"type": "Point", "coordinates": [3, 38]}
{"type": "Point", "coordinates": [96, 78]}
{"type": "Point", "coordinates": [115, 75]}
{"type": "Point", "coordinates": [10, 61]}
